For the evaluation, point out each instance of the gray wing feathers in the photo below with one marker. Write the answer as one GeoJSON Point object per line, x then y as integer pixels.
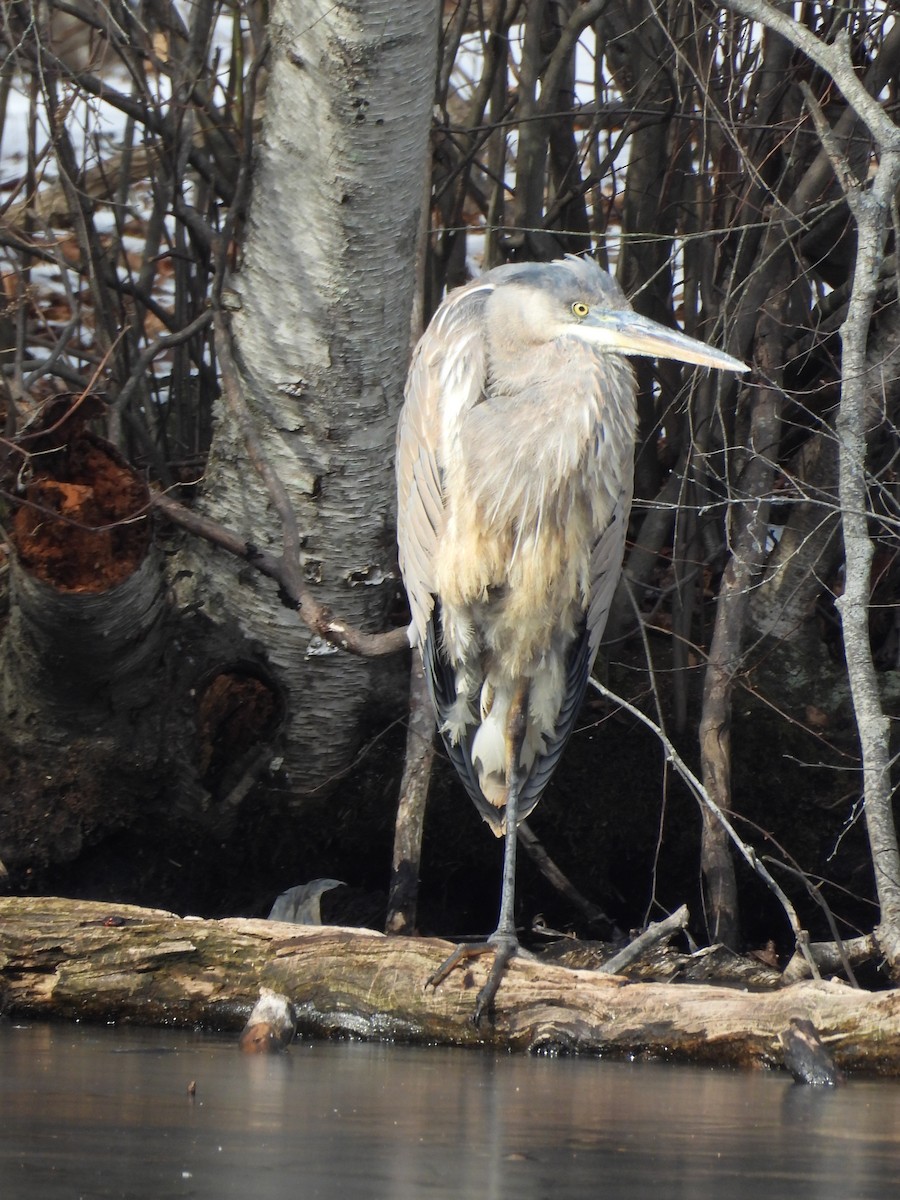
{"type": "Point", "coordinates": [578, 670]}
{"type": "Point", "coordinates": [420, 504]}
{"type": "Point", "coordinates": [445, 379]}
{"type": "Point", "coordinates": [606, 560]}
{"type": "Point", "coordinates": [606, 564]}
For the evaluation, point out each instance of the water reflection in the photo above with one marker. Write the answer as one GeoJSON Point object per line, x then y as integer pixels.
{"type": "Point", "coordinates": [106, 1113]}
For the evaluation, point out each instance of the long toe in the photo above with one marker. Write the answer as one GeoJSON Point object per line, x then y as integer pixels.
{"type": "Point", "coordinates": [462, 954]}
{"type": "Point", "coordinates": [505, 948]}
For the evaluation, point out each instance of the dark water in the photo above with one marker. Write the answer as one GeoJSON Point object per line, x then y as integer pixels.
{"type": "Point", "coordinates": [94, 1112]}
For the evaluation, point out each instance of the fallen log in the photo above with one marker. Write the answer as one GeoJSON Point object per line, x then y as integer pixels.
{"type": "Point", "coordinates": [103, 962]}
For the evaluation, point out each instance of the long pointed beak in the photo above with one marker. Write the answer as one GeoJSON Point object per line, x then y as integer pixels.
{"type": "Point", "coordinates": [626, 332]}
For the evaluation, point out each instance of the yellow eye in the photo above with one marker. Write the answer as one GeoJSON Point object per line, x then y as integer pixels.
{"type": "Point", "coordinates": [580, 310]}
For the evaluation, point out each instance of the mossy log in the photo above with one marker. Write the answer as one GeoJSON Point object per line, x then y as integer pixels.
{"type": "Point", "coordinates": [91, 961]}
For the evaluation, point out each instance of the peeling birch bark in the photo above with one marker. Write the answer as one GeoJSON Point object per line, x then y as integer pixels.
{"type": "Point", "coordinates": [321, 316]}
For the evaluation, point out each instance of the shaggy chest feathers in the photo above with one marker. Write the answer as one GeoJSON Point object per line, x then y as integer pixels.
{"type": "Point", "coordinates": [514, 566]}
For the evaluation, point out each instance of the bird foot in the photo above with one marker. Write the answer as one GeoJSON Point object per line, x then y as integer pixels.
{"type": "Point", "coordinates": [502, 946]}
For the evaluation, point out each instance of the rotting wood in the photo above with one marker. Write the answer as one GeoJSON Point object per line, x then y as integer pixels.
{"type": "Point", "coordinates": [92, 961]}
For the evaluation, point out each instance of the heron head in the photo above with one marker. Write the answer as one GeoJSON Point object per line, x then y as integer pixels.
{"type": "Point", "coordinates": [573, 297]}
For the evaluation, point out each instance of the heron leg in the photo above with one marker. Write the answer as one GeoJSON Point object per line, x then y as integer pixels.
{"type": "Point", "coordinates": [504, 941]}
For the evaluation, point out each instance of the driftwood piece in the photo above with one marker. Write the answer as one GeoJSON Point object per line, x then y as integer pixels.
{"type": "Point", "coordinates": [74, 959]}
{"type": "Point", "coordinates": [660, 931]}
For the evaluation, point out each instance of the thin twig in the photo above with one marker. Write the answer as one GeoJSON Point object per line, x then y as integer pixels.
{"type": "Point", "coordinates": [817, 896]}
{"type": "Point", "coordinates": [150, 352]}
{"type": "Point", "coordinates": [700, 793]}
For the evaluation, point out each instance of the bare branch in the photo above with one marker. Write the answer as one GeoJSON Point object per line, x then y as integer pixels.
{"type": "Point", "coordinates": [297, 595]}
{"type": "Point", "coordinates": [659, 931]}
{"type": "Point", "coordinates": [834, 58]}
{"type": "Point", "coordinates": [700, 793]}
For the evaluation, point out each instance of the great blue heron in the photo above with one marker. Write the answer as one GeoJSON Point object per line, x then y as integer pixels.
{"type": "Point", "coordinates": [514, 477]}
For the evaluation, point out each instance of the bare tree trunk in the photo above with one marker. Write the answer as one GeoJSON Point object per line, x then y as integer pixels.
{"type": "Point", "coordinates": [872, 212]}
{"type": "Point", "coordinates": [871, 206]}
{"type": "Point", "coordinates": [749, 526]}
{"type": "Point", "coordinates": [657, 165]}
{"type": "Point", "coordinates": [321, 330]}
{"type": "Point", "coordinates": [404, 889]}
